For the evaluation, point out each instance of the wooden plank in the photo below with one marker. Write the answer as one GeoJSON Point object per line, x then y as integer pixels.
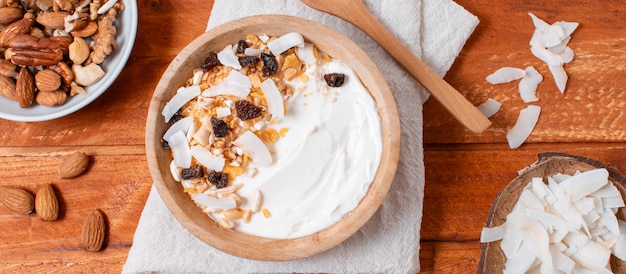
{"type": "Point", "coordinates": [116, 184]}
{"type": "Point", "coordinates": [591, 110]}
{"type": "Point", "coordinates": [449, 257]}
{"type": "Point", "coordinates": [462, 181]}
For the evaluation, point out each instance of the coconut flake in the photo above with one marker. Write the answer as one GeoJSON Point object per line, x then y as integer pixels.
{"type": "Point", "coordinates": [559, 75]}
{"type": "Point", "coordinates": [489, 107]}
{"type": "Point", "coordinates": [228, 58]}
{"type": "Point", "coordinates": [264, 38]}
{"type": "Point", "coordinates": [181, 125]}
{"type": "Point", "coordinates": [235, 84]}
{"type": "Point", "coordinates": [539, 24]}
{"type": "Point", "coordinates": [197, 77]}
{"type": "Point", "coordinates": [525, 124]}
{"type": "Point", "coordinates": [255, 148]}
{"type": "Point", "coordinates": [253, 51]}
{"type": "Point", "coordinates": [222, 112]}
{"type": "Point", "coordinates": [285, 42]}
{"type": "Point", "coordinates": [505, 75]}
{"type": "Point", "coordinates": [183, 95]}
{"type": "Point", "coordinates": [207, 159]}
{"type": "Point", "coordinates": [275, 104]}
{"type": "Point", "coordinates": [307, 54]}
{"type": "Point", "coordinates": [213, 203]}
{"type": "Point", "coordinates": [175, 172]}
{"type": "Point", "coordinates": [545, 55]}
{"type": "Point", "coordinates": [528, 85]}
{"type": "Point", "coordinates": [180, 149]}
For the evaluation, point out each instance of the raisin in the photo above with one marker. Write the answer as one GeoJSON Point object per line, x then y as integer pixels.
{"type": "Point", "coordinates": [247, 110]}
{"type": "Point", "coordinates": [220, 128]}
{"type": "Point", "coordinates": [218, 179]}
{"type": "Point", "coordinates": [211, 61]}
{"type": "Point", "coordinates": [249, 61]}
{"type": "Point", "coordinates": [334, 79]}
{"type": "Point", "coordinates": [270, 66]}
{"type": "Point", "coordinates": [192, 172]}
{"type": "Point", "coordinates": [165, 144]}
{"type": "Point", "coordinates": [242, 45]}
{"type": "Point", "coordinates": [176, 117]}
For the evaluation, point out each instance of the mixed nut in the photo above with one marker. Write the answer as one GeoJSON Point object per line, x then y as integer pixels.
{"type": "Point", "coordinates": [53, 49]}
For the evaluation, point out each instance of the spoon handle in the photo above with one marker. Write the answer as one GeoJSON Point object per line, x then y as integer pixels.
{"type": "Point", "coordinates": [460, 108]}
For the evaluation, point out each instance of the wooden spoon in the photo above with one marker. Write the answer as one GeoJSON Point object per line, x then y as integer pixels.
{"type": "Point", "coordinates": [355, 12]}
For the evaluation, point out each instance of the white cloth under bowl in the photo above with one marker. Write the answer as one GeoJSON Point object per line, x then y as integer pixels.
{"type": "Point", "coordinates": [435, 30]}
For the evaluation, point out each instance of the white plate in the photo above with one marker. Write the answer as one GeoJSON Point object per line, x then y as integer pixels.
{"type": "Point", "coordinates": [126, 32]}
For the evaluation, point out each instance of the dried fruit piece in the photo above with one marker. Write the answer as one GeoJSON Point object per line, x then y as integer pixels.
{"type": "Point", "coordinates": [334, 79]}
{"type": "Point", "coordinates": [220, 128]}
{"type": "Point", "coordinates": [249, 61]}
{"type": "Point", "coordinates": [210, 61]}
{"type": "Point", "coordinates": [93, 231]}
{"type": "Point", "coordinates": [247, 110]}
{"type": "Point", "coordinates": [192, 172]}
{"type": "Point", "coordinates": [17, 199]}
{"type": "Point", "coordinates": [73, 165]}
{"type": "Point", "coordinates": [242, 45]}
{"type": "Point", "coordinates": [219, 179]}
{"type": "Point", "coordinates": [46, 203]}
{"type": "Point", "coordinates": [270, 66]}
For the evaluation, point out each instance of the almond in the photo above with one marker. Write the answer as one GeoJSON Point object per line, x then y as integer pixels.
{"type": "Point", "coordinates": [25, 88]}
{"type": "Point", "coordinates": [87, 31]}
{"type": "Point", "coordinates": [7, 88]}
{"type": "Point", "coordinates": [9, 15]}
{"type": "Point", "coordinates": [73, 165]}
{"type": "Point", "coordinates": [52, 19]}
{"type": "Point", "coordinates": [17, 200]}
{"type": "Point", "coordinates": [93, 231]}
{"type": "Point", "coordinates": [46, 203]}
{"type": "Point", "coordinates": [51, 98]}
{"type": "Point", "coordinates": [7, 69]}
{"type": "Point", "coordinates": [47, 80]}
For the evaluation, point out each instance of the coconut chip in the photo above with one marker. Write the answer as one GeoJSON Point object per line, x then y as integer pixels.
{"type": "Point", "coordinates": [505, 75]}
{"type": "Point", "coordinates": [285, 42]}
{"type": "Point", "coordinates": [489, 107]}
{"type": "Point", "coordinates": [255, 148]}
{"type": "Point", "coordinates": [228, 58]}
{"type": "Point", "coordinates": [525, 124]}
{"type": "Point", "coordinates": [528, 85]}
{"type": "Point", "coordinates": [274, 99]}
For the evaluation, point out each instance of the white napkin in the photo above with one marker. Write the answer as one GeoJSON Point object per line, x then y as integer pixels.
{"type": "Point", "coordinates": [435, 30]}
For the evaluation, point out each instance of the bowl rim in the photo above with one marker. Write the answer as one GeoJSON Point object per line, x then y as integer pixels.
{"type": "Point", "coordinates": [130, 15]}
{"type": "Point", "coordinates": [255, 247]}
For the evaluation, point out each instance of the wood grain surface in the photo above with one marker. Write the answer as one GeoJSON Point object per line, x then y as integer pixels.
{"type": "Point", "coordinates": [464, 171]}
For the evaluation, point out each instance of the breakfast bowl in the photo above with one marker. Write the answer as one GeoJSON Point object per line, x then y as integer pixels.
{"type": "Point", "coordinates": [270, 245]}
{"type": "Point", "coordinates": [113, 64]}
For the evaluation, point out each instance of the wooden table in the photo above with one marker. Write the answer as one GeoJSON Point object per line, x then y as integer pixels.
{"type": "Point", "coordinates": [464, 171]}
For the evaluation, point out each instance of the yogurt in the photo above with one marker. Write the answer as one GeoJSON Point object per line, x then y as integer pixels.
{"type": "Point", "coordinates": [325, 164]}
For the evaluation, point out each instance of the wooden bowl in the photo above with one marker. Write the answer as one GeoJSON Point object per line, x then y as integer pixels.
{"type": "Point", "coordinates": [245, 245]}
{"type": "Point", "coordinates": [492, 259]}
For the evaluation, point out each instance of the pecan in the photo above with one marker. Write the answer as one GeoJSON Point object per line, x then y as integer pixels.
{"type": "Point", "coordinates": [76, 21]}
{"type": "Point", "coordinates": [28, 50]}
{"type": "Point", "coordinates": [63, 69]}
{"type": "Point", "coordinates": [15, 28]}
